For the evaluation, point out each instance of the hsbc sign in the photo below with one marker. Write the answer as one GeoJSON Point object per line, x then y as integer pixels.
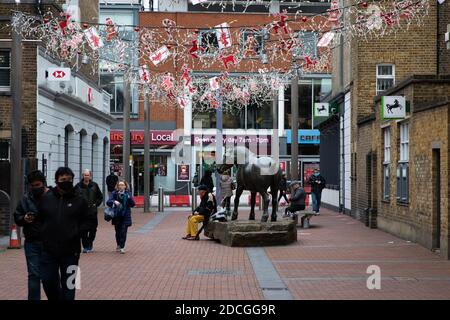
{"type": "Point", "coordinates": [58, 74]}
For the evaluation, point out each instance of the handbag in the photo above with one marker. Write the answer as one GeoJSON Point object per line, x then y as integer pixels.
{"type": "Point", "coordinates": [110, 213]}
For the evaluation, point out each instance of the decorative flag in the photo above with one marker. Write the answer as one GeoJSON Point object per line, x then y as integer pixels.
{"type": "Point", "coordinates": [111, 32]}
{"type": "Point", "coordinates": [223, 35]}
{"type": "Point", "coordinates": [227, 59]}
{"type": "Point", "coordinates": [374, 21]}
{"type": "Point", "coordinates": [63, 21]}
{"type": "Point", "coordinates": [167, 83]}
{"type": "Point", "coordinates": [326, 39]}
{"type": "Point", "coordinates": [160, 55]}
{"type": "Point", "coordinates": [281, 24]}
{"type": "Point", "coordinates": [214, 83]}
{"type": "Point", "coordinates": [144, 74]}
{"type": "Point", "coordinates": [94, 40]}
{"type": "Point", "coordinates": [334, 13]}
{"type": "Point", "coordinates": [182, 102]}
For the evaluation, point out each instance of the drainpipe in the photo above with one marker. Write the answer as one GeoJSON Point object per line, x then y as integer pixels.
{"type": "Point", "coordinates": [438, 45]}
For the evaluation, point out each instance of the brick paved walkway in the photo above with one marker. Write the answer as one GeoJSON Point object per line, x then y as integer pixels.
{"type": "Point", "coordinates": [328, 262]}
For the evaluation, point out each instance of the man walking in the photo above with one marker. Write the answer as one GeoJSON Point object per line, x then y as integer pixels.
{"type": "Point", "coordinates": [94, 197]}
{"type": "Point", "coordinates": [111, 182]}
{"type": "Point", "coordinates": [317, 183]}
{"type": "Point", "coordinates": [65, 217]}
{"type": "Point", "coordinates": [27, 216]}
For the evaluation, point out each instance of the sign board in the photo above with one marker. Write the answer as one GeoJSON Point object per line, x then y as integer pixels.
{"type": "Point", "coordinates": [305, 136]}
{"type": "Point", "coordinates": [393, 107]}
{"type": "Point", "coordinates": [58, 74]}
{"type": "Point", "coordinates": [321, 109]}
{"type": "Point", "coordinates": [183, 173]}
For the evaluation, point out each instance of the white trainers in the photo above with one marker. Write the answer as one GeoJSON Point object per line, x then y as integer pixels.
{"type": "Point", "coordinates": [122, 251]}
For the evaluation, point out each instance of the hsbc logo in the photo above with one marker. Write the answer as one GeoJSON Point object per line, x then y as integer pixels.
{"type": "Point", "coordinates": [58, 74]}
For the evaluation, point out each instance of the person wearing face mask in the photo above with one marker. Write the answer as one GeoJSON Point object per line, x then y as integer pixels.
{"type": "Point", "coordinates": [65, 217]}
{"type": "Point", "coordinates": [27, 216]}
{"type": "Point", "coordinates": [91, 192]}
{"type": "Point", "coordinates": [317, 183]}
{"type": "Point", "coordinates": [122, 200]}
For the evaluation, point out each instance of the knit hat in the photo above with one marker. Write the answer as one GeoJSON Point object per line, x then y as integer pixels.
{"type": "Point", "coordinates": [202, 187]}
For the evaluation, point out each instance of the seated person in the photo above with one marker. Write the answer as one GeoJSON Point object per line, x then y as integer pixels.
{"type": "Point", "coordinates": [207, 207]}
{"type": "Point", "coordinates": [297, 200]}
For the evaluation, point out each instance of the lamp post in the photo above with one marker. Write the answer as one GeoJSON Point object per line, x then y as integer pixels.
{"type": "Point", "coordinates": [294, 124]}
{"type": "Point", "coordinates": [146, 154]}
{"type": "Point", "coordinates": [126, 132]}
{"type": "Point", "coordinates": [16, 179]}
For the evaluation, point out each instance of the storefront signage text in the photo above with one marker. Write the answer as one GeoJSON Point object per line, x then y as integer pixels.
{"type": "Point", "coordinates": [157, 137]}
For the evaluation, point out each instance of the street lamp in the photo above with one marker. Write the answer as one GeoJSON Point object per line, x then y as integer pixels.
{"type": "Point", "coordinates": [294, 121]}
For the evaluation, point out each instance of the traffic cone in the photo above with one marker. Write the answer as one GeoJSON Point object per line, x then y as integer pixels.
{"type": "Point", "coordinates": [14, 242]}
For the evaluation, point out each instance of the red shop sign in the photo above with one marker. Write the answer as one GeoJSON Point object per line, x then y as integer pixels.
{"type": "Point", "coordinates": [157, 137]}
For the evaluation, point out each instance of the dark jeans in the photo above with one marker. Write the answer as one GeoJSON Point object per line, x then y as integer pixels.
{"type": "Point", "coordinates": [33, 252]}
{"type": "Point", "coordinates": [282, 194]}
{"type": "Point", "coordinates": [55, 273]}
{"type": "Point", "coordinates": [316, 200]}
{"type": "Point", "coordinates": [293, 208]}
{"type": "Point", "coordinates": [121, 234]}
{"type": "Point", "coordinates": [88, 238]}
{"type": "Point", "coordinates": [227, 202]}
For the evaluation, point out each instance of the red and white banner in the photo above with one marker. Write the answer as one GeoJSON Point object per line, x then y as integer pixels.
{"type": "Point", "coordinates": [93, 38]}
{"type": "Point", "coordinates": [214, 83]}
{"type": "Point", "coordinates": [326, 39]}
{"type": "Point", "coordinates": [160, 55]}
{"type": "Point", "coordinates": [194, 2]}
{"type": "Point", "coordinates": [223, 35]}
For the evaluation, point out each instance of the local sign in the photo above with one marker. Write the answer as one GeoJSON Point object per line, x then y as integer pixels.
{"type": "Point", "coordinates": [393, 107]}
{"type": "Point", "coordinates": [157, 137]}
{"type": "Point", "coordinates": [58, 74]}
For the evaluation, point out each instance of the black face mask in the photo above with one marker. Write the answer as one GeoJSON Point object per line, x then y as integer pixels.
{"type": "Point", "coordinates": [37, 192]}
{"type": "Point", "coordinates": [65, 185]}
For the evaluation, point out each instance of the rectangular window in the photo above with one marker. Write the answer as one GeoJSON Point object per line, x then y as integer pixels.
{"type": "Point", "coordinates": [387, 145]}
{"type": "Point", "coordinates": [4, 150]}
{"type": "Point", "coordinates": [251, 43]}
{"type": "Point", "coordinates": [404, 142]}
{"type": "Point", "coordinates": [403, 165]}
{"type": "Point", "coordinates": [385, 77]}
{"type": "Point", "coordinates": [113, 84]}
{"type": "Point", "coordinates": [308, 44]}
{"type": "Point", "coordinates": [5, 70]}
{"type": "Point", "coordinates": [208, 41]}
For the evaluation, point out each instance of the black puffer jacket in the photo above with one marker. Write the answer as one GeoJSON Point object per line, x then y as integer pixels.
{"type": "Point", "coordinates": [92, 194]}
{"type": "Point", "coordinates": [32, 231]}
{"type": "Point", "coordinates": [64, 219]}
{"type": "Point", "coordinates": [208, 205]}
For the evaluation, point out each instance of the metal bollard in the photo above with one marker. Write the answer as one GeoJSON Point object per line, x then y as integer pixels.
{"type": "Point", "coordinates": [193, 198]}
{"type": "Point", "coordinates": [160, 199]}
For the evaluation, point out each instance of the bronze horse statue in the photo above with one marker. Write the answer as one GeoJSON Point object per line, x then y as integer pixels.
{"type": "Point", "coordinates": [249, 177]}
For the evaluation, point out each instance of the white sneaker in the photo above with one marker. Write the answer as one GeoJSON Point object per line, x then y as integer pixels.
{"type": "Point", "coordinates": [122, 251]}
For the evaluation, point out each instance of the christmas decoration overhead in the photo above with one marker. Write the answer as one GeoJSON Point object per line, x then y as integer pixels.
{"type": "Point", "coordinates": [266, 53]}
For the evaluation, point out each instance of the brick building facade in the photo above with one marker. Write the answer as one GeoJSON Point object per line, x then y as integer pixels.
{"type": "Point", "coordinates": [394, 164]}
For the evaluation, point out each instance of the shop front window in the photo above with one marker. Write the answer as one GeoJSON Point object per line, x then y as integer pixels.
{"type": "Point", "coordinates": [310, 91]}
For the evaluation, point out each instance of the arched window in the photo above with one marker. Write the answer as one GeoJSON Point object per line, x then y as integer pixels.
{"type": "Point", "coordinates": [67, 131]}
{"type": "Point", "coordinates": [83, 134]}
{"type": "Point", "coordinates": [94, 154]}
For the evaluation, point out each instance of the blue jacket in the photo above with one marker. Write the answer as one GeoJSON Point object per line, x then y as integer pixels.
{"type": "Point", "coordinates": [127, 203]}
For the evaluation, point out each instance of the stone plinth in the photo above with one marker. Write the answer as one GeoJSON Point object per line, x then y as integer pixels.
{"type": "Point", "coordinates": [244, 233]}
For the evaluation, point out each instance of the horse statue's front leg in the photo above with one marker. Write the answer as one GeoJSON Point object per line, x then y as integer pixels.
{"type": "Point", "coordinates": [252, 205]}
{"type": "Point", "coordinates": [236, 203]}
{"type": "Point", "coordinates": [274, 193]}
{"type": "Point", "coordinates": [265, 199]}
